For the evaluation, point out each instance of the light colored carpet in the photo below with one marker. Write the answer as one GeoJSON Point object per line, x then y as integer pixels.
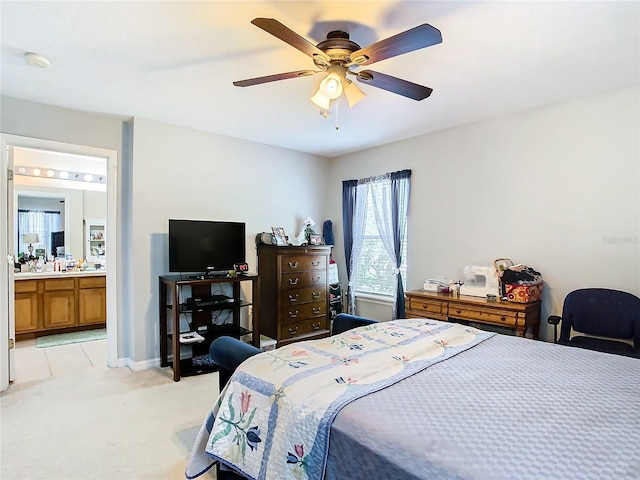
{"type": "Point", "coordinates": [73, 337]}
{"type": "Point", "coordinates": [103, 424]}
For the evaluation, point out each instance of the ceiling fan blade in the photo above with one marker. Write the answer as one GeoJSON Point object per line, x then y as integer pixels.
{"type": "Point", "coordinates": [273, 78]}
{"type": "Point", "coordinates": [394, 84]}
{"type": "Point", "coordinates": [287, 35]}
{"type": "Point", "coordinates": [414, 39]}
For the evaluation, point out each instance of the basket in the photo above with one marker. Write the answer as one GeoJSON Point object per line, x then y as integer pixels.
{"type": "Point", "coordinates": [521, 291]}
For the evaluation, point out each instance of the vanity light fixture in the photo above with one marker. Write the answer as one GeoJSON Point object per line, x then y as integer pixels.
{"type": "Point", "coordinates": [63, 174]}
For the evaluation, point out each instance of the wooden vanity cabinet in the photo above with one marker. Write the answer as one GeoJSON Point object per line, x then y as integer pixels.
{"type": "Point", "coordinates": [54, 305]}
{"type": "Point", "coordinates": [92, 300]}
{"type": "Point", "coordinates": [59, 301]}
{"type": "Point", "coordinates": [27, 305]}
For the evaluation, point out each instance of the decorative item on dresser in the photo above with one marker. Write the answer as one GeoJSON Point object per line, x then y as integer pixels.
{"type": "Point", "coordinates": [442, 306]}
{"type": "Point", "coordinates": [294, 292]}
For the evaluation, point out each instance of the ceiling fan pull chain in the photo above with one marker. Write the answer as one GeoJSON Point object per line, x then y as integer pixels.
{"type": "Point", "coordinates": [337, 104]}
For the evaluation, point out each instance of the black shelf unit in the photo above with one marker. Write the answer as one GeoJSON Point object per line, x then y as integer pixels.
{"type": "Point", "coordinates": [200, 319]}
{"type": "Point", "coordinates": [336, 300]}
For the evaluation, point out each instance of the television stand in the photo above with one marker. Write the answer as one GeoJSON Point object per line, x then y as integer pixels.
{"type": "Point", "coordinates": [199, 311]}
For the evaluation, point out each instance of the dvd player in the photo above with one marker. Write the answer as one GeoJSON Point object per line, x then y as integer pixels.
{"type": "Point", "coordinates": [209, 301]}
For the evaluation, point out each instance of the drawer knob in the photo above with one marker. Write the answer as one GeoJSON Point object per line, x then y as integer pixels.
{"type": "Point", "coordinates": [458, 311]}
{"type": "Point", "coordinates": [315, 279]}
{"type": "Point", "coordinates": [503, 318]}
{"type": "Point", "coordinates": [293, 314]}
{"type": "Point", "coordinates": [293, 331]}
{"type": "Point", "coordinates": [294, 281]}
{"type": "Point", "coordinates": [316, 310]}
{"type": "Point", "coordinates": [293, 298]}
{"type": "Point", "coordinates": [293, 264]}
{"type": "Point", "coordinates": [315, 326]}
{"type": "Point", "coordinates": [315, 294]}
{"type": "Point", "coordinates": [315, 263]}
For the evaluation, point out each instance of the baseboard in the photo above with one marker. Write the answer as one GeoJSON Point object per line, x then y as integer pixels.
{"type": "Point", "coordinates": [135, 366]}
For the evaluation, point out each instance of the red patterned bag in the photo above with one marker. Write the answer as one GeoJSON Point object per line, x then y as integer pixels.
{"type": "Point", "coordinates": [518, 283]}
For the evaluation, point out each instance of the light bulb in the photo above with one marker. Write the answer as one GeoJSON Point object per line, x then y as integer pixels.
{"type": "Point", "coordinates": [64, 174]}
{"type": "Point", "coordinates": [331, 86]}
{"type": "Point", "coordinates": [88, 177]}
{"type": "Point", "coordinates": [36, 171]}
{"type": "Point", "coordinates": [50, 173]}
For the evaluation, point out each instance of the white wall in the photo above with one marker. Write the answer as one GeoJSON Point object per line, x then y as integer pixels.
{"type": "Point", "coordinates": [183, 173]}
{"type": "Point", "coordinates": [95, 204]}
{"type": "Point", "coordinates": [557, 188]}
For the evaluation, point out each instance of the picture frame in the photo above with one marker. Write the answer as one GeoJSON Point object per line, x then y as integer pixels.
{"type": "Point", "coordinates": [281, 236]}
{"type": "Point", "coordinates": [316, 239]}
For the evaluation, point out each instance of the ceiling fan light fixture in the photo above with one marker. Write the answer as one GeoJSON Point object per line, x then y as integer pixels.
{"type": "Point", "coordinates": [353, 93]}
{"type": "Point", "coordinates": [331, 86]}
{"type": "Point", "coordinates": [320, 100]}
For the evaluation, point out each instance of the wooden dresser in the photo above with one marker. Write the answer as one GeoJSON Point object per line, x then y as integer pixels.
{"type": "Point", "coordinates": [294, 299]}
{"type": "Point", "coordinates": [441, 306]}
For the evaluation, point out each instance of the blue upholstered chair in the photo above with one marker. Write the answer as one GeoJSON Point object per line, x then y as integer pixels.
{"type": "Point", "coordinates": [594, 313]}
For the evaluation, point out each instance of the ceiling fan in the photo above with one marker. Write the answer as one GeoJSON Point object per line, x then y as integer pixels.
{"type": "Point", "coordinates": [338, 56]}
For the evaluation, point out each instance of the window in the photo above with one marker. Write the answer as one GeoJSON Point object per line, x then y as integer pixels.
{"type": "Point", "coordinates": [375, 271]}
{"type": "Point", "coordinates": [374, 216]}
{"type": "Point", "coordinates": [41, 223]}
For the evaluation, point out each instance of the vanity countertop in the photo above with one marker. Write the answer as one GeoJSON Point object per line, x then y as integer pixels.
{"type": "Point", "coordinates": [79, 273]}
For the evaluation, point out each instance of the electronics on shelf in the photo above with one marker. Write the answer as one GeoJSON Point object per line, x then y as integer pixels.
{"type": "Point", "coordinates": [212, 301]}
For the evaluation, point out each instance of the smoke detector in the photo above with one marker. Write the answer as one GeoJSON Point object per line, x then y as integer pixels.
{"type": "Point", "coordinates": [36, 60]}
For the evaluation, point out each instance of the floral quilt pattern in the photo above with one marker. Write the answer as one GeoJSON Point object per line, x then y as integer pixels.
{"type": "Point", "coordinates": [273, 418]}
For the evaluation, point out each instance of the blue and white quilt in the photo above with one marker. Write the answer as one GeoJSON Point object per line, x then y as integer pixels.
{"type": "Point", "coordinates": [273, 418]}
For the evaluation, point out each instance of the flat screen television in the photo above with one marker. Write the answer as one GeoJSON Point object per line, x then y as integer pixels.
{"type": "Point", "coordinates": [204, 246]}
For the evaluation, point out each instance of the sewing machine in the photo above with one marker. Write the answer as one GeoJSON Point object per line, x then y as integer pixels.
{"type": "Point", "coordinates": [480, 281]}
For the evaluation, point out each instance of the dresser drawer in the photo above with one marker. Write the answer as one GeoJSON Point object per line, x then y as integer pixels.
{"type": "Point", "coordinates": [302, 327]}
{"type": "Point", "coordinates": [420, 306]}
{"type": "Point", "coordinates": [293, 313]}
{"type": "Point", "coordinates": [297, 280]}
{"type": "Point", "coordinates": [297, 263]}
{"type": "Point", "coordinates": [487, 315]}
{"type": "Point", "coordinates": [303, 295]}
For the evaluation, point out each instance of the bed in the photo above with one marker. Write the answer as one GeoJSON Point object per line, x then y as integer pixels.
{"type": "Point", "coordinates": [478, 405]}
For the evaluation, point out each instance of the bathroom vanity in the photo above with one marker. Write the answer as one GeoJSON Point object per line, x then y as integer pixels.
{"type": "Point", "coordinates": [58, 302]}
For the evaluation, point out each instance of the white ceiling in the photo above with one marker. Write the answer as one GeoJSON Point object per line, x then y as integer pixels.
{"type": "Point", "coordinates": [175, 62]}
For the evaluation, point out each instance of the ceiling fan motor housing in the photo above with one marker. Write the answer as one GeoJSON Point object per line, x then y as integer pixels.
{"type": "Point", "coordinates": [338, 46]}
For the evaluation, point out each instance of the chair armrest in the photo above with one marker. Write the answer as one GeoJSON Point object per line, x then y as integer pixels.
{"type": "Point", "coordinates": [344, 322]}
{"type": "Point", "coordinates": [228, 353]}
{"type": "Point", "coordinates": [554, 319]}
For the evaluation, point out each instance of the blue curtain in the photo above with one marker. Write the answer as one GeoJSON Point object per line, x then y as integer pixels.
{"type": "Point", "coordinates": [400, 187]}
{"type": "Point", "coordinates": [349, 188]}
